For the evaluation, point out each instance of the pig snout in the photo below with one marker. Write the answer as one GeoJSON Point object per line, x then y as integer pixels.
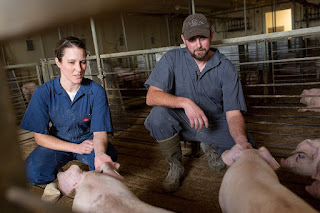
{"type": "Point", "coordinates": [111, 170]}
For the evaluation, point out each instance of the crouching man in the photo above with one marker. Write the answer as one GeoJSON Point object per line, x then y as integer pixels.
{"type": "Point", "coordinates": [197, 96]}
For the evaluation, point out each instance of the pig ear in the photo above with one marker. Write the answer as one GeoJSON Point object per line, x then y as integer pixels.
{"type": "Point", "coordinates": [307, 147]}
{"type": "Point", "coordinates": [265, 154]}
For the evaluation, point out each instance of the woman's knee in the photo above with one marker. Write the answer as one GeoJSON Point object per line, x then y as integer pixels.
{"type": "Point", "coordinates": [37, 175]}
{"type": "Point", "coordinates": [42, 165]}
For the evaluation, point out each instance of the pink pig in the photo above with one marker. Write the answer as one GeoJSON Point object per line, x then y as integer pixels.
{"type": "Point", "coordinates": [305, 158]}
{"type": "Point", "coordinates": [250, 184]}
{"type": "Point", "coordinates": [311, 102]}
{"type": "Point", "coordinates": [101, 191]}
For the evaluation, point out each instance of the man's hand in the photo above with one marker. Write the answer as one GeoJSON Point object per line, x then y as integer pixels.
{"type": "Point", "coordinates": [246, 145]}
{"type": "Point", "coordinates": [85, 147]}
{"type": "Point", "coordinates": [196, 116]}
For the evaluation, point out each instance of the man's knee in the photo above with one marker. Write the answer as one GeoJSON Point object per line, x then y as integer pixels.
{"type": "Point", "coordinates": [158, 117]}
{"type": "Point", "coordinates": [162, 123]}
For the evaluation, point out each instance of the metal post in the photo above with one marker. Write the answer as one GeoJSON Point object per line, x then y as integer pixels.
{"type": "Point", "coordinates": [3, 55]}
{"type": "Point", "coordinates": [59, 33]}
{"type": "Point", "coordinates": [293, 14]}
{"type": "Point", "coordinates": [168, 29]}
{"type": "Point", "coordinates": [94, 37]}
{"type": "Point", "coordinates": [124, 33]}
{"type": "Point", "coordinates": [191, 7]}
{"type": "Point", "coordinates": [245, 17]}
{"type": "Point", "coordinates": [41, 44]}
{"type": "Point", "coordinates": [274, 16]}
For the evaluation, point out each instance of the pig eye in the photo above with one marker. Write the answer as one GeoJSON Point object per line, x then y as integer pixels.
{"type": "Point", "coordinates": [300, 156]}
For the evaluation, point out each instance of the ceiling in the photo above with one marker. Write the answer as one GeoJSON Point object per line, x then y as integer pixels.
{"type": "Point", "coordinates": [22, 17]}
{"type": "Point", "coordinates": [201, 6]}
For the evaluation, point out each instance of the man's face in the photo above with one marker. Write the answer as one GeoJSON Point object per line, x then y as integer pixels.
{"type": "Point", "coordinates": [198, 46]}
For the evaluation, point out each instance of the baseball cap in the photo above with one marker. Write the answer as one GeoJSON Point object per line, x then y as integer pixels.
{"type": "Point", "coordinates": [194, 25]}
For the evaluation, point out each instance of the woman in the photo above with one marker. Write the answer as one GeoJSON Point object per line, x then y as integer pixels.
{"type": "Point", "coordinates": [78, 113]}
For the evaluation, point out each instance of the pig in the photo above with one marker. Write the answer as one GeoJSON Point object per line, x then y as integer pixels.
{"type": "Point", "coordinates": [311, 102]}
{"type": "Point", "coordinates": [251, 185]}
{"type": "Point", "coordinates": [304, 159]}
{"type": "Point", "coordinates": [28, 89]}
{"type": "Point", "coordinates": [101, 191]}
{"type": "Point", "coordinates": [314, 188]}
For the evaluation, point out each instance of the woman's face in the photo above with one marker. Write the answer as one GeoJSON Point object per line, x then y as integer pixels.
{"type": "Point", "coordinates": [73, 65]}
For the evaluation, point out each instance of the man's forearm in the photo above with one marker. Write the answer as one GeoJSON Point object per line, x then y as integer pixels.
{"type": "Point", "coordinates": [237, 127]}
{"type": "Point", "coordinates": [157, 97]}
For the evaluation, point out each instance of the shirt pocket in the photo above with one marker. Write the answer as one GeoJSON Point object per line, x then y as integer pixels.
{"type": "Point", "coordinates": [85, 122]}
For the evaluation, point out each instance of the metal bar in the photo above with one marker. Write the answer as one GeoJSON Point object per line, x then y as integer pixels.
{"type": "Point", "coordinates": [283, 134]}
{"type": "Point", "coordinates": [193, 7]}
{"type": "Point", "coordinates": [20, 66]}
{"type": "Point", "coordinates": [284, 84]}
{"type": "Point", "coordinates": [124, 33]}
{"type": "Point", "coordinates": [279, 60]}
{"type": "Point", "coordinates": [41, 45]}
{"type": "Point", "coordinates": [59, 33]}
{"type": "Point", "coordinates": [281, 96]}
{"type": "Point", "coordinates": [269, 36]}
{"type": "Point", "coordinates": [281, 116]}
{"type": "Point", "coordinates": [168, 29]}
{"type": "Point", "coordinates": [96, 49]}
{"type": "Point", "coordinates": [138, 52]}
{"type": "Point", "coordinates": [281, 107]}
{"type": "Point", "coordinates": [3, 54]}
{"type": "Point", "coordinates": [245, 17]}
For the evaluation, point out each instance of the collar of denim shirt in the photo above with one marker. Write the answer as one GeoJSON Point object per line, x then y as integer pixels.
{"type": "Point", "coordinates": [85, 87]}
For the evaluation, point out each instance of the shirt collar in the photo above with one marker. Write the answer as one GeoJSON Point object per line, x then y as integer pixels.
{"type": "Point", "coordinates": [85, 87]}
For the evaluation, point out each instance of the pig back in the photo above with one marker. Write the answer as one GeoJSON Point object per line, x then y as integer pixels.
{"type": "Point", "coordinates": [99, 192]}
{"type": "Point", "coordinates": [251, 185]}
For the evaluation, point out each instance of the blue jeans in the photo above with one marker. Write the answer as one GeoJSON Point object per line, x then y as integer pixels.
{"type": "Point", "coordinates": [42, 164]}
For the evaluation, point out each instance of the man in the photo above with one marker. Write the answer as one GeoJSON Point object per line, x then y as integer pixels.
{"type": "Point", "coordinates": [196, 96]}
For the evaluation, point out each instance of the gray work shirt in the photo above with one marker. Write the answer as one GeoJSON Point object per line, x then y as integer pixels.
{"type": "Point", "coordinates": [216, 90]}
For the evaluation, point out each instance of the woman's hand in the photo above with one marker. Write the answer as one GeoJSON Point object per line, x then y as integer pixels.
{"type": "Point", "coordinates": [85, 147]}
{"type": "Point", "coordinates": [101, 158]}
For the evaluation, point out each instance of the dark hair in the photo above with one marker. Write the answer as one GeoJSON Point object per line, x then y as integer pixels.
{"type": "Point", "coordinates": [66, 42]}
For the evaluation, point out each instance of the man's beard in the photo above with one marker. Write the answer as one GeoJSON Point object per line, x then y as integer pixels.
{"type": "Point", "coordinates": [201, 55]}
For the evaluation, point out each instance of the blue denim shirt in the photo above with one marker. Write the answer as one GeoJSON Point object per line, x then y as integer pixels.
{"type": "Point", "coordinates": [71, 121]}
{"type": "Point", "coordinates": [216, 90]}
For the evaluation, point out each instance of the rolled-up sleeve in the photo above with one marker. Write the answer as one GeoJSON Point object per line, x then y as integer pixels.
{"type": "Point", "coordinates": [162, 75]}
{"type": "Point", "coordinates": [101, 118]}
